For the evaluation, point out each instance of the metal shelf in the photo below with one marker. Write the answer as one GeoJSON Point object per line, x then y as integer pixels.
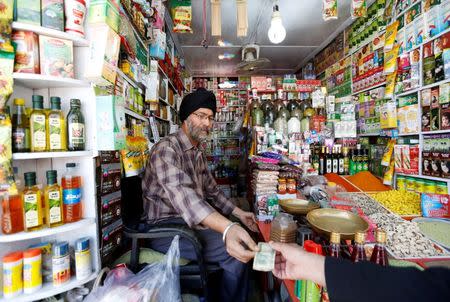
{"type": "Point", "coordinates": [39, 81]}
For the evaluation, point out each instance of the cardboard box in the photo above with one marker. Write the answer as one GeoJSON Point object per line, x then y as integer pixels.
{"type": "Point", "coordinates": [110, 241]}
{"type": "Point", "coordinates": [426, 118]}
{"type": "Point", "coordinates": [110, 180]}
{"type": "Point", "coordinates": [26, 45]}
{"type": "Point", "coordinates": [103, 55]}
{"type": "Point", "coordinates": [110, 208]}
{"type": "Point", "coordinates": [28, 11]}
{"type": "Point", "coordinates": [435, 119]}
{"type": "Point", "coordinates": [106, 12]}
{"type": "Point", "coordinates": [445, 116]}
{"type": "Point", "coordinates": [56, 57]}
{"type": "Point", "coordinates": [111, 128]}
{"type": "Point", "coordinates": [434, 97]}
{"type": "Point", "coordinates": [53, 14]}
{"type": "Point", "coordinates": [426, 97]}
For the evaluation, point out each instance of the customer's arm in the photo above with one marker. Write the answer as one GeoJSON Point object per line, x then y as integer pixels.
{"type": "Point", "coordinates": [179, 188]}
{"type": "Point", "coordinates": [363, 281]}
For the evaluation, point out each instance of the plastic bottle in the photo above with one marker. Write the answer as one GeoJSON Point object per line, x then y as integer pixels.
{"type": "Point", "coordinates": [76, 131]}
{"type": "Point", "coordinates": [310, 291]}
{"type": "Point", "coordinates": [32, 272]}
{"type": "Point", "coordinates": [53, 200]}
{"type": "Point", "coordinates": [83, 263]}
{"type": "Point", "coordinates": [38, 125]}
{"type": "Point", "coordinates": [11, 213]}
{"type": "Point", "coordinates": [12, 274]}
{"type": "Point", "coordinates": [56, 138]}
{"type": "Point", "coordinates": [32, 203]}
{"type": "Point", "coordinates": [20, 128]}
{"type": "Point", "coordinates": [71, 187]}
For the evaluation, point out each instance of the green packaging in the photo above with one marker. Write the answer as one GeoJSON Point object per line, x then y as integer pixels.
{"type": "Point", "coordinates": [53, 14]}
{"type": "Point", "coordinates": [28, 11]}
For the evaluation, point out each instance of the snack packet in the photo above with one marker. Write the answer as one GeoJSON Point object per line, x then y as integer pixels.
{"type": "Point", "coordinates": [359, 9]}
{"type": "Point", "coordinates": [330, 9]}
{"type": "Point", "coordinates": [181, 15]}
{"type": "Point", "coordinates": [435, 205]}
{"type": "Point", "coordinates": [391, 33]}
{"type": "Point", "coordinates": [390, 61]}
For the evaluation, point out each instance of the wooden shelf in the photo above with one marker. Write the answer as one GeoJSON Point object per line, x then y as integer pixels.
{"type": "Point", "coordinates": [68, 227]}
{"type": "Point", "coordinates": [77, 41]}
{"type": "Point", "coordinates": [41, 155]}
{"type": "Point", "coordinates": [49, 290]}
{"type": "Point", "coordinates": [39, 81]}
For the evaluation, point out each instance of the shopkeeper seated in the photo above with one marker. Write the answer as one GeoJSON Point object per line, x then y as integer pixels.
{"type": "Point", "coordinates": [179, 188]}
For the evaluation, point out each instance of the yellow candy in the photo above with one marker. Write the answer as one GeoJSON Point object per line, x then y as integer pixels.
{"type": "Point", "coordinates": [400, 202]}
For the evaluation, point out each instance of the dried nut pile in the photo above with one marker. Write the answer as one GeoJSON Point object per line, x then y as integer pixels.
{"type": "Point", "coordinates": [404, 239]}
{"type": "Point", "coordinates": [366, 203]}
{"type": "Point", "coordinates": [400, 202]}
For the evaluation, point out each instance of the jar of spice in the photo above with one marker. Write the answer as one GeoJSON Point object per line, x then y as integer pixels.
{"type": "Point", "coordinates": [282, 186]}
{"type": "Point", "coordinates": [291, 186]}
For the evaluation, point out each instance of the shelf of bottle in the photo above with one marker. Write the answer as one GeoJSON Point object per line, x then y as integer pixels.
{"type": "Point", "coordinates": [132, 82]}
{"type": "Point", "coordinates": [49, 290]}
{"type": "Point", "coordinates": [41, 155]}
{"type": "Point", "coordinates": [39, 81]}
{"type": "Point", "coordinates": [424, 177]}
{"type": "Point", "coordinates": [136, 115]}
{"type": "Point", "coordinates": [65, 228]}
{"type": "Point", "coordinates": [77, 40]}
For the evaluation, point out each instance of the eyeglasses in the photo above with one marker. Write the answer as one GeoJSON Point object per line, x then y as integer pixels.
{"type": "Point", "coordinates": [204, 117]}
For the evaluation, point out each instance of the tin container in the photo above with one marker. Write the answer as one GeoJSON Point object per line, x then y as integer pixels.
{"type": "Point", "coordinates": [60, 263]}
{"type": "Point", "coordinates": [83, 263]}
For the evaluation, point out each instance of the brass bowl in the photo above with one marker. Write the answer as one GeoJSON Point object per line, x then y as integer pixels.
{"type": "Point", "coordinates": [297, 206]}
{"type": "Point", "coordinates": [325, 221]}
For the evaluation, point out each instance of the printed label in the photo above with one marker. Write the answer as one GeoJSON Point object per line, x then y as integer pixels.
{"type": "Point", "coordinates": [71, 196]}
{"type": "Point", "coordinates": [38, 131]}
{"type": "Point", "coordinates": [55, 133]}
{"type": "Point", "coordinates": [19, 138]}
{"type": "Point", "coordinates": [31, 210]}
{"type": "Point", "coordinates": [76, 133]}
{"type": "Point", "coordinates": [54, 203]}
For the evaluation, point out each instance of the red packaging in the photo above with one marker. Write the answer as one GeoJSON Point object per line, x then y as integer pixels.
{"type": "Point", "coordinates": [26, 45]}
{"type": "Point", "coordinates": [435, 205]}
{"type": "Point", "coordinates": [414, 158]}
{"type": "Point", "coordinates": [435, 97]}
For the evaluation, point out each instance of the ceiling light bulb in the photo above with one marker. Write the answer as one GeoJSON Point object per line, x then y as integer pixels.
{"type": "Point", "coordinates": [276, 32]}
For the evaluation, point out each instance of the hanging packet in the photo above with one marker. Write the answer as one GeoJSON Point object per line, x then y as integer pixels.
{"type": "Point", "coordinates": [181, 15]}
{"type": "Point", "coordinates": [390, 61]}
{"type": "Point", "coordinates": [359, 9]}
{"type": "Point", "coordinates": [391, 33]}
{"type": "Point", "coordinates": [330, 9]}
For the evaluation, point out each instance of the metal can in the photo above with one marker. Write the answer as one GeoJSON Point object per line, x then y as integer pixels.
{"type": "Point", "coordinates": [83, 263]}
{"type": "Point", "coordinates": [32, 270]}
{"type": "Point", "coordinates": [441, 187]}
{"type": "Point", "coordinates": [60, 263]}
{"type": "Point", "coordinates": [401, 183]}
{"type": "Point", "coordinates": [430, 186]}
{"type": "Point", "coordinates": [12, 274]}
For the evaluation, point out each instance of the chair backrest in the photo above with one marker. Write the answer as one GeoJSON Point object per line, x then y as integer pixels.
{"type": "Point", "coordinates": [132, 204]}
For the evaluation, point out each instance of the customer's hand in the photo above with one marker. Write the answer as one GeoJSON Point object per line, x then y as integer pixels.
{"type": "Point", "coordinates": [247, 218]}
{"type": "Point", "coordinates": [293, 263]}
{"type": "Point", "coordinates": [239, 244]}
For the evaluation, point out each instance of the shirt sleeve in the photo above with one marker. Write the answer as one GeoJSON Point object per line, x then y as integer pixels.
{"type": "Point", "coordinates": [365, 281]}
{"type": "Point", "coordinates": [214, 193]}
{"type": "Point", "coordinates": [179, 187]}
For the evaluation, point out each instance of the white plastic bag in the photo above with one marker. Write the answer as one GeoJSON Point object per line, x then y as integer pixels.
{"type": "Point", "coordinates": [157, 282]}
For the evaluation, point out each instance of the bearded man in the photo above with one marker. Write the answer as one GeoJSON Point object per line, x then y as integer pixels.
{"type": "Point", "coordinates": [179, 188]}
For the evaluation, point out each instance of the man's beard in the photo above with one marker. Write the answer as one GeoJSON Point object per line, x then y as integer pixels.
{"type": "Point", "coordinates": [197, 133]}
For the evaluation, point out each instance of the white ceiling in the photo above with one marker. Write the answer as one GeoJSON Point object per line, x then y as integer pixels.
{"type": "Point", "coordinates": [305, 28]}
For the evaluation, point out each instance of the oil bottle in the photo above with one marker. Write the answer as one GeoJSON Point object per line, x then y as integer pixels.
{"type": "Point", "coordinates": [20, 128]}
{"type": "Point", "coordinates": [76, 131]}
{"type": "Point", "coordinates": [32, 204]}
{"type": "Point", "coordinates": [53, 200]}
{"type": "Point", "coordinates": [38, 125]}
{"type": "Point", "coordinates": [56, 138]}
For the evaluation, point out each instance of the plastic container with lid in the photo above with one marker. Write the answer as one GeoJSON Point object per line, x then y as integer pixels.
{"type": "Point", "coordinates": [420, 185]}
{"type": "Point", "coordinates": [284, 228]}
{"type": "Point", "coordinates": [430, 186]}
{"type": "Point", "coordinates": [410, 184]}
{"type": "Point", "coordinates": [60, 263]}
{"type": "Point", "coordinates": [12, 274]}
{"type": "Point", "coordinates": [32, 270]}
{"type": "Point", "coordinates": [401, 183]}
{"type": "Point", "coordinates": [83, 263]}
{"type": "Point", "coordinates": [441, 188]}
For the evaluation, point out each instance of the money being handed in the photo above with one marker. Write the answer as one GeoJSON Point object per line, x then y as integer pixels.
{"type": "Point", "coordinates": [264, 259]}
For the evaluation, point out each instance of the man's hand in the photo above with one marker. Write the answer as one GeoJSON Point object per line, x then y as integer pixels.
{"type": "Point", "coordinates": [239, 244]}
{"type": "Point", "coordinates": [292, 262]}
{"type": "Point", "coordinates": [247, 218]}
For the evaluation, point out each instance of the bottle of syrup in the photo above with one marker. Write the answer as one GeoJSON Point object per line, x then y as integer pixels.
{"type": "Point", "coordinates": [335, 245]}
{"type": "Point", "coordinates": [379, 254]}
{"type": "Point", "coordinates": [359, 253]}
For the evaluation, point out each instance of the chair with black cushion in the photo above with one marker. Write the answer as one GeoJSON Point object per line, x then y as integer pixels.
{"type": "Point", "coordinates": [196, 275]}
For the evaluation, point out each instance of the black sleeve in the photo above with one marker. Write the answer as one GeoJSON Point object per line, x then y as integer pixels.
{"type": "Point", "coordinates": [368, 282]}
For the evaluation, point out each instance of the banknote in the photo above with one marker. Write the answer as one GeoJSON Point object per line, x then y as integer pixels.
{"type": "Point", "coordinates": [264, 259]}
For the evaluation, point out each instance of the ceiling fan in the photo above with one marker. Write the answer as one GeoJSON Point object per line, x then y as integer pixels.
{"type": "Point", "coordinates": [250, 60]}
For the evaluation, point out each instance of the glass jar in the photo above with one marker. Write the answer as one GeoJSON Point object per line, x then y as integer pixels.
{"type": "Point", "coordinates": [76, 131]}
{"type": "Point", "coordinates": [282, 186]}
{"type": "Point", "coordinates": [257, 117]}
{"type": "Point", "coordinates": [291, 186]}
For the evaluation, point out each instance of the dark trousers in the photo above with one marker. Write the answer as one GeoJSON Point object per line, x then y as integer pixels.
{"type": "Point", "coordinates": [234, 283]}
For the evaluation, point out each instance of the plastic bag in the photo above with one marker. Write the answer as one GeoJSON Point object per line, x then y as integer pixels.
{"type": "Point", "coordinates": [359, 9]}
{"type": "Point", "coordinates": [182, 16]}
{"type": "Point", "coordinates": [330, 11]}
{"type": "Point", "coordinates": [157, 282]}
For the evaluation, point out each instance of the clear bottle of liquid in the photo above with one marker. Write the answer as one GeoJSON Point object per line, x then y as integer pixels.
{"type": "Point", "coordinates": [56, 138]}
{"type": "Point", "coordinates": [20, 128]}
{"type": "Point", "coordinates": [32, 204]}
{"type": "Point", "coordinates": [53, 200]}
{"type": "Point", "coordinates": [38, 125]}
{"type": "Point", "coordinates": [76, 130]}
{"type": "Point", "coordinates": [359, 253]}
{"type": "Point", "coordinates": [71, 187]}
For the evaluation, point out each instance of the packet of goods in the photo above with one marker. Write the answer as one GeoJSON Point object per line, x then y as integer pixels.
{"type": "Point", "coordinates": [6, 75]}
{"type": "Point", "coordinates": [6, 170]}
{"type": "Point", "coordinates": [6, 18]}
{"type": "Point", "coordinates": [391, 34]}
{"type": "Point", "coordinates": [359, 8]}
{"type": "Point", "coordinates": [435, 205]}
{"type": "Point", "coordinates": [26, 45]}
{"type": "Point", "coordinates": [390, 61]}
{"type": "Point", "coordinates": [389, 175]}
{"type": "Point", "coordinates": [388, 153]}
{"type": "Point", "coordinates": [406, 160]}
{"type": "Point", "coordinates": [181, 15]}
{"type": "Point", "coordinates": [330, 9]}
{"type": "Point", "coordinates": [398, 158]}
{"type": "Point", "coordinates": [390, 84]}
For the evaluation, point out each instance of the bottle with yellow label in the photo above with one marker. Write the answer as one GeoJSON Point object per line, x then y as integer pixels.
{"type": "Point", "coordinates": [32, 204]}
{"type": "Point", "coordinates": [38, 125]}
{"type": "Point", "coordinates": [56, 136]}
{"type": "Point", "coordinates": [53, 200]}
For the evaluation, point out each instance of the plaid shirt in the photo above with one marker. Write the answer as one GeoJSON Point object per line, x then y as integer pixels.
{"type": "Point", "coordinates": [177, 183]}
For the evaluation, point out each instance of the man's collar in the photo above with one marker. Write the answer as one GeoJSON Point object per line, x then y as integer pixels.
{"type": "Point", "coordinates": [184, 140]}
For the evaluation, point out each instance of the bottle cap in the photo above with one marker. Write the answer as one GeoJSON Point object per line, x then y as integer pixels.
{"type": "Point", "coordinates": [38, 102]}
{"type": "Point", "coordinates": [82, 244]}
{"type": "Point", "coordinates": [335, 238]}
{"type": "Point", "coordinates": [55, 103]}
{"type": "Point", "coordinates": [381, 236]}
{"type": "Point", "coordinates": [30, 179]}
{"type": "Point", "coordinates": [32, 253]}
{"type": "Point", "coordinates": [360, 237]}
{"type": "Point", "coordinates": [75, 102]}
{"type": "Point", "coordinates": [37, 98]}
{"type": "Point", "coordinates": [19, 102]}
{"type": "Point", "coordinates": [52, 175]}
{"type": "Point", "coordinates": [12, 257]}
{"type": "Point", "coordinates": [60, 249]}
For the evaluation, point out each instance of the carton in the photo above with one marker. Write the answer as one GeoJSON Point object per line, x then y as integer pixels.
{"type": "Point", "coordinates": [426, 118]}
{"type": "Point", "coordinates": [445, 116]}
{"type": "Point", "coordinates": [110, 123]}
{"type": "Point", "coordinates": [28, 11]}
{"type": "Point", "coordinates": [26, 45]}
{"type": "Point", "coordinates": [56, 57]}
{"type": "Point", "coordinates": [106, 12]}
{"type": "Point", "coordinates": [53, 14]}
{"type": "Point", "coordinates": [103, 55]}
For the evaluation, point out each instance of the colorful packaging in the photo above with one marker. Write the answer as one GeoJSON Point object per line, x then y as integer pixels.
{"type": "Point", "coordinates": [398, 158]}
{"type": "Point", "coordinates": [53, 14]}
{"type": "Point", "coordinates": [60, 263]}
{"type": "Point", "coordinates": [445, 164]}
{"type": "Point", "coordinates": [426, 163]}
{"type": "Point", "coordinates": [28, 11]}
{"type": "Point", "coordinates": [436, 164]}
{"type": "Point", "coordinates": [446, 59]}
{"type": "Point", "coordinates": [428, 70]}
{"type": "Point", "coordinates": [414, 158]}
{"type": "Point", "coordinates": [401, 183]}
{"type": "Point", "coordinates": [400, 40]}
{"type": "Point", "coordinates": [32, 272]}
{"type": "Point", "coordinates": [388, 115]}
{"type": "Point", "coordinates": [389, 175]}
{"type": "Point", "coordinates": [426, 118]}
{"type": "Point", "coordinates": [104, 11]}
{"type": "Point", "coordinates": [359, 9]}
{"type": "Point", "coordinates": [444, 93]}
{"type": "Point", "coordinates": [12, 274]}
{"type": "Point", "coordinates": [390, 84]}
{"type": "Point", "coordinates": [56, 57]}
{"type": "Point", "coordinates": [181, 16]}
{"type": "Point", "coordinates": [435, 205]}
{"type": "Point", "coordinates": [75, 13]}
{"type": "Point", "coordinates": [420, 30]}
{"type": "Point", "coordinates": [330, 9]}
{"type": "Point", "coordinates": [111, 128]}
{"type": "Point", "coordinates": [444, 15]}
{"type": "Point", "coordinates": [435, 97]}
{"type": "Point", "coordinates": [26, 45]}
{"type": "Point", "coordinates": [410, 37]}
{"type": "Point", "coordinates": [445, 116]}
{"type": "Point", "coordinates": [390, 60]}
{"type": "Point", "coordinates": [435, 119]}
{"type": "Point", "coordinates": [432, 21]}
{"type": "Point", "coordinates": [406, 158]}
{"type": "Point", "coordinates": [426, 97]}
{"type": "Point", "coordinates": [412, 13]}
{"type": "Point", "coordinates": [428, 4]}
{"type": "Point", "coordinates": [391, 34]}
